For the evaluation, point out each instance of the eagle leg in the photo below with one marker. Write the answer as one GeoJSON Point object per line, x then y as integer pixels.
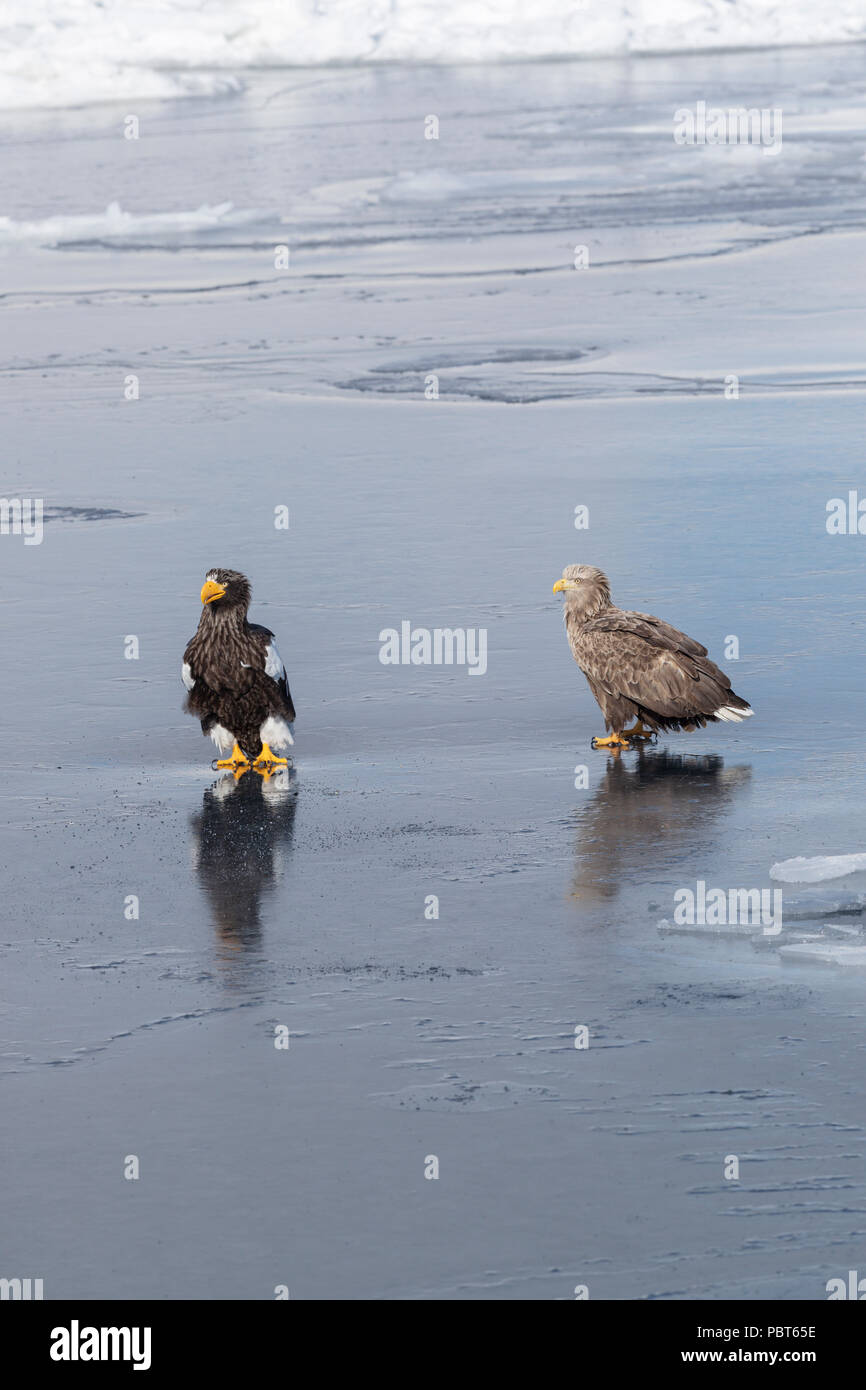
{"type": "Point", "coordinates": [236, 761]}
{"type": "Point", "coordinates": [267, 759]}
{"type": "Point", "coordinates": [615, 741]}
{"type": "Point", "coordinates": [638, 731]}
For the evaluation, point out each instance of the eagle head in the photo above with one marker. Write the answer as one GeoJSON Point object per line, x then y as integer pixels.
{"type": "Point", "coordinates": [224, 589]}
{"type": "Point", "coordinates": [586, 588]}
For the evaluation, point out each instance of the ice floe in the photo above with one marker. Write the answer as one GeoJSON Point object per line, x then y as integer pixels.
{"type": "Point", "coordinates": [817, 869]}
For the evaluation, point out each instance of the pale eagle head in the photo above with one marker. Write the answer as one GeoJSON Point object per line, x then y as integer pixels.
{"type": "Point", "coordinates": [585, 587]}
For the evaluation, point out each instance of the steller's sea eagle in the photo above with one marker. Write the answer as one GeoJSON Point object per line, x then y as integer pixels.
{"type": "Point", "coordinates": [236, 679]}
{"type": "Point", "coordinates": [639, 667]}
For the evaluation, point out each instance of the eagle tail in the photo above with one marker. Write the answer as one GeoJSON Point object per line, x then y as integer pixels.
{"type": "Point", "coordinates": [734, 713]}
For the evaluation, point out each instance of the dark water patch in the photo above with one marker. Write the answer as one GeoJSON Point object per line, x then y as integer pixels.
{"type": "Point", "coordinates": [87, 514]}
{"type": "Point", "coordinates": [530, 387]}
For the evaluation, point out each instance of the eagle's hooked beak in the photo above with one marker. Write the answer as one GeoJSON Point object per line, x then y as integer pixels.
{"type": "Point", "coordinates": [559, 587]}
{"type": "Point", "coordinates": [211, 591]}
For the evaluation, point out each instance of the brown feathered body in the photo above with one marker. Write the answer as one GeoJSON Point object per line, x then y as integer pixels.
{"type": "Point", "coordinates": [235, 676]}
{"type": "Point", "coordinates": [639, 667]}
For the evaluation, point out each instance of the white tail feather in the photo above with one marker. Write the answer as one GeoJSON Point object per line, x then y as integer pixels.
{"type": "Point", "coordinates": [731, 714]}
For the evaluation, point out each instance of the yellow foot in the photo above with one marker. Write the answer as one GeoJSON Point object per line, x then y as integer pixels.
{"type": "Point", "coordinates": [638, 731]}
{"type": "Point", "coordinates": [267, 770]}
{"type": "Point", "coordinates": [615, 741]}
{"type": "Point", "coordinates": [268, 760]}
{"type": "Point", "coordinates": [238, 762]}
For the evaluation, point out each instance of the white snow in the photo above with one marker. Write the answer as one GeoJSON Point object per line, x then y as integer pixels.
{"type": "Point", "coordinates": [76, 52]}
{"type": "Point", "coordinates": [817, 869]}
{"type": "Point", "coordinates": [115, 223]}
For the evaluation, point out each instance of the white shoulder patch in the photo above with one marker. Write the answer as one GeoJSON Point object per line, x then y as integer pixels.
{"type": "Point", "coordinates": [274, 662]}
{"type": "Point", "coordinates": [187, 676]}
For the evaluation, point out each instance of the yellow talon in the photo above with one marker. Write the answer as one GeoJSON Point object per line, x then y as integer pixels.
{"type": "Point", "coordinates": [238, 759]}
{"type": "Point", "coordinates": [268, 759]}
{"type": "Point", "coordinates": [638, 731]}
{"type": "Point", "coordinates": [266, 771]}
{"type": "Point", "coordinates": [615, 741]}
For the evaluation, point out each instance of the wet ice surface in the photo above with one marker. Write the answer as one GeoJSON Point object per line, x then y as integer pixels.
{"type": "Point", "coordinates": [304, 907]}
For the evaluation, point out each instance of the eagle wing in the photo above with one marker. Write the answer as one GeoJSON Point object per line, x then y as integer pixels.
{"type": "Point", "coordinates": [641, 658]}
{"type": "Point", "coordinates": [272, 664]}
{"type": "Point", "coordinates": [200, 700]}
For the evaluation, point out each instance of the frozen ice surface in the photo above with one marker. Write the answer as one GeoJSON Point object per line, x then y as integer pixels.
{"type": "Point", "coordinates": [668, 928]}
{"type": "Point", "coordinates": [304, 906]}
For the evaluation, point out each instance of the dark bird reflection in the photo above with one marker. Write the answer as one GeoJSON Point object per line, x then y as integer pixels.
{"type": "Point", "coordinates": [241, 835]}
{"type": "Point", "coordinates": [648, 813]}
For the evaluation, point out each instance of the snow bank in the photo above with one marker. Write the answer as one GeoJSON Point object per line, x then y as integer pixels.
{"type": "Point", "coordinates": [74, 52]}
{"type": "Point", "coordinates": [115, 223]}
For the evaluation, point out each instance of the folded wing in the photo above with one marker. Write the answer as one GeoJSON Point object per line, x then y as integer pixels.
{"type": "Point", "coordinates": [272, 664]}
{"type": "Point", "coordinates": [637, 657]}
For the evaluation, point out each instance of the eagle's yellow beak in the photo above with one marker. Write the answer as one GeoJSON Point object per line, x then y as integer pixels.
{"type": "Point", "coordinates": [559, 586]}
{"type": "Point", "coordinates": [210, 591]}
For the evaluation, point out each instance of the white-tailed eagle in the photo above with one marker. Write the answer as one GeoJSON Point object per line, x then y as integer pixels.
{"type": "Point", "coordinates": [639, 667]}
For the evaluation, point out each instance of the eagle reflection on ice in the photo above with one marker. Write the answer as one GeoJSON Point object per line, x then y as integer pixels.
{"type": "Point", "coordinates": [657, 810]}
{"type": "Point", "coordinates": [242, 825]}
